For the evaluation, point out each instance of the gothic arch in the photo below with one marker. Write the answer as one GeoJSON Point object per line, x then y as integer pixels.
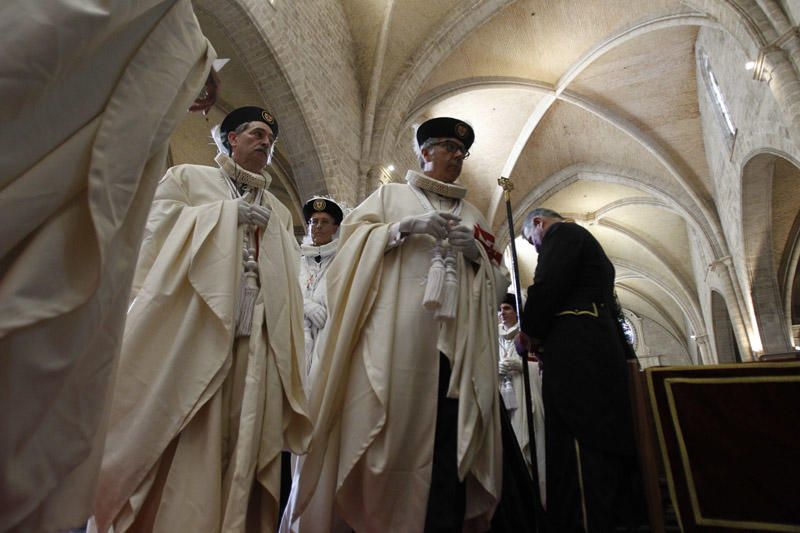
{"type": "Point", "coordinates": [262, 64]}
{"type": "Point", "coordinates": [693, 202]}
{"type": "Point", "coordinates": [611, 174]}
{"type": "Point", "coordinates": [404, 89]}
{"type": "Point", "coordinates": [756, 221]}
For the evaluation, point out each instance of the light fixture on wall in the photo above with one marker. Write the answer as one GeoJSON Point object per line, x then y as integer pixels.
{"type": "Point", "coordinates": [750, 65]}
{"type": "Point", "coordinates": [390, 168]}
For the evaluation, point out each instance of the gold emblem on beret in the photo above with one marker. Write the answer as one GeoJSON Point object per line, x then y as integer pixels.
{"type": "Point", "coordinates": [319, 205]}
{"type": "Point", "coordinates": [461, 130]}
{"type": "Point", "coordinates": [269, 119]}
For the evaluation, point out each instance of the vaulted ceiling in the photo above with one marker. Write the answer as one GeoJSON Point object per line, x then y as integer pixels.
{"type": "Point", "coordinates": [591, 107]}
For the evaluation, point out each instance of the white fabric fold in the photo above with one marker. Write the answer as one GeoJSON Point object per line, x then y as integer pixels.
{"type": "Point", "coordinates": [375, 393]}
{"type": "Point", "coordinates": [73, 203]}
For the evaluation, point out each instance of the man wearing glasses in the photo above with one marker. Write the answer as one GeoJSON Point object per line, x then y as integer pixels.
{"type": "Point", "coordinates": [405, 397]}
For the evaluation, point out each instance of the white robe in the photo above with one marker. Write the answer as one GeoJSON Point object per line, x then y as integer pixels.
{"type": "Point", "coordinates": [89, 94]}
{"type": "Point", "coordinates": [374, 400]}
{"type": "Point", "coordinates": [193, 408]}
{"type": "Point", "coordinates": [314, 288]}
{"type": "Point", "coordinates": [518, 416]}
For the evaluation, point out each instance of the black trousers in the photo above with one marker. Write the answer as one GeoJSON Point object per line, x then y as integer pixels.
{"type": "Point", "coordinates": [447, 499]}
{"type": "Point", "coordinates": [588, 489]}
{"type": "Point", "coordinates": [518, 507]}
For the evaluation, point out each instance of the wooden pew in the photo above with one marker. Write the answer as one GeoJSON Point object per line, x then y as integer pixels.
{"type": "Point", "coordinates": [647, 446]}
{"type": "Point", "coordinates": [729, 441]}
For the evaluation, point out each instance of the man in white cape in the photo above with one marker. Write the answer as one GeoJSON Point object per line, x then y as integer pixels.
{"type": "Point", "coordinates": [405, 402]}
{"type": "Point", "coordinates": [209, 389]}
{"type": "Point", "coordinates": [89, 94]}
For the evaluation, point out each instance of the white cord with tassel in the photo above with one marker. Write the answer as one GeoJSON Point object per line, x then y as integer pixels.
{"type": "Point", "coordinates": [449, 306]}
{"type": "Point", "coordinates": [248, 292]}
{"type": "Point", "coordinates": [436, 277]}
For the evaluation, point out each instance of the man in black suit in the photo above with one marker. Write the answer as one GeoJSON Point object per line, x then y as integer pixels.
{"type": "Point", "coordinates": [571, 322]}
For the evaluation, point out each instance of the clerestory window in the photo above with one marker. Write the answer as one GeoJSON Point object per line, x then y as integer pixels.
{"type": "Point", "coordinates": [717, 98]}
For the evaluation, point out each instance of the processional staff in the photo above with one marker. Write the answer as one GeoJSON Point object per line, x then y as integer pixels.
{"type": "Point", "coordinates": [507, 186]}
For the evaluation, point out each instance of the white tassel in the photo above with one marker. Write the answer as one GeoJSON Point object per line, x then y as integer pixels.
{"type": "Point", "coordinates": [247, 297]}
{"type": "Point", "coordinates": [449, 306]}
{"type": "Point", "coordinates": [433, 289]}
{"type": "Point", "coordinates": [507, 393]}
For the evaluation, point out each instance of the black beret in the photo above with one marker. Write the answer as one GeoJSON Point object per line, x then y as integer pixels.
{"type": "Point", "coordinates": [318, 204]}
{"type": "Point", "coordinates": [446, 127]}
{"type": "Point", "coordinates": [241, 115]}
{"type": "Point", "coordinates": [509, 299]}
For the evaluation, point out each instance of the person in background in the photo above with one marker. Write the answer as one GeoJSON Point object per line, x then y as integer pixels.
{"type": "Point", "coordinates": [512, 390]}
{"type": "Point", "coordinates": [323, 216]}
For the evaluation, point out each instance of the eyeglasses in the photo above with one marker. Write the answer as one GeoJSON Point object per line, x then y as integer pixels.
{"type": "Point", "coordinates": [452, 147]}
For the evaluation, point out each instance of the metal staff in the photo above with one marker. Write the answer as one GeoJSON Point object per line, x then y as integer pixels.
{"type": "Point", "coordinates": [508, 186]}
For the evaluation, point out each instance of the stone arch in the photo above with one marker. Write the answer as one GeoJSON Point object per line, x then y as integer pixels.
{"type": "Point", "coordinates": [404, 89]}
{"type": "Point", "coordinates": [756, 222]}
{"type": "Point", "coordinates": [693, 202]}
{"type": "Point", "coordinates": [260, 61]}
{"type": "Point", "coordinates": [688, 306]}
{"type": "Point", "coordinates": [789, 278]}
{"type": "Point", "coordinates": [612, 174]}
{"type": "Point", "coordinates": [725, 343]}
{"type": "Point", "coordinates": [793, 301]}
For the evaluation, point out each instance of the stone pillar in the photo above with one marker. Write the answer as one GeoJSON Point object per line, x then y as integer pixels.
{"type": "Point", "coordinates": [703, 349]}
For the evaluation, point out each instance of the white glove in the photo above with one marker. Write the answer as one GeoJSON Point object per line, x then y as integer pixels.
{"type": "Point", "coordinates": [256, 215]}
{"type": "Point", "coordinates": [259, 216]}
{"type": "Point", "coordinates": [501, 368]}
{"type": "Point", "coordinates": [433, 223]}
{"type": "Point", "coordinates": [462, 239]}
{"type": "Point", "coordinates": [510, 366]}
{"type": "Point", "coordinates": [244, 211]}
{"type": "Point", "coordinates": [315, 313]}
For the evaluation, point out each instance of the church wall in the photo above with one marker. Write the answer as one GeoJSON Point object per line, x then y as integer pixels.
{"type": "Point", "coordinates": [710, 276]}
{"type": "Point", "coordinates": [691, 348]}
{"type": "Point", "coordinates": [313, 45]}
{"type": "Point", "coordinates": [700, 261]}
{"type": "Point", "coordinates": [761, 126]}
{"type": "Point", "coordinates": [662, 347]}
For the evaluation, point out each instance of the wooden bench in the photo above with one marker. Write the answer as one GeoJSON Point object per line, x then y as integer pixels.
{"type": "Point", "coordinates": [728, 440]}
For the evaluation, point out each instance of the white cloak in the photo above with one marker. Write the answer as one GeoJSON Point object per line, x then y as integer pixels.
{"type": "Point", "coordinates": [375, 395]}
{"type": "Point", "coordinates": [90, 92]}
{"type": "Point", "coordinates": [314, 288]}
{"type": "Point", "coordinates": [191, 404]}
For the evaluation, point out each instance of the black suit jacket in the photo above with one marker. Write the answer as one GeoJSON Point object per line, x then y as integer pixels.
{"type": "Point", "coordinates": [570, 309]}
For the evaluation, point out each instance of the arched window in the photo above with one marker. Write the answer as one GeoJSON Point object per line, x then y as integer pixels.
{"type": "Point", "coordinates": [631, 327]}
{"type": "Point", "coordinates": [717, 98]}
{"type": "Point", "coordinates": [629, 330]}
